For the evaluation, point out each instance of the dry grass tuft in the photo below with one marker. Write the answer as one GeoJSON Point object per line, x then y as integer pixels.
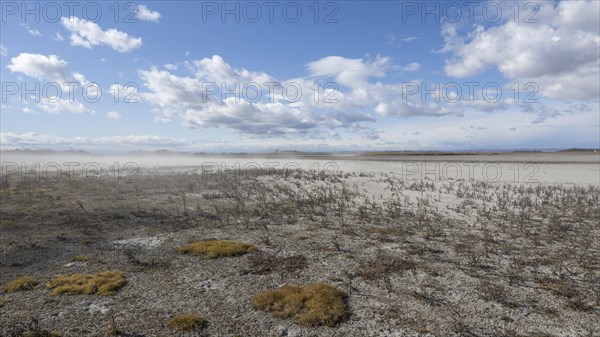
{"type": "Point", "coordinates": [186, 322]}
{"type": "Point", "coordinates": [20, 284]}
{"type": "Point", "coordinates": [312, 305]}
{"type": "Point", "coordinates": [80, 258]}
{"type": "Point", "coordinates": [212, 249]}
{"type": "Point", "coordinates": [104, 283]}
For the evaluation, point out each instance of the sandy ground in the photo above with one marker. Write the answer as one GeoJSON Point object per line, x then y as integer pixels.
{"type": "Point", "coordinates": [558, 168]}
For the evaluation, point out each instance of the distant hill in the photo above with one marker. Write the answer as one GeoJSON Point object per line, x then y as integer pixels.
{"type": "Point", "coordinates": [581, 150]}
{"type": "Point", "coordinates": [296, 153]}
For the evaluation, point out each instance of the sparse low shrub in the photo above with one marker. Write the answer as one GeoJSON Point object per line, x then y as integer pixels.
{"type": "Point", "coordinates": [31, 328]}
{"type": "Point", "coordinates": [312, 305]}
{"type": "Point", "coordinates": [186, 322]}
{"type": "Point", "coordinates": [20, 284]}
{"type": "Point", "coordinates": [264, 263]}
{"type": "Point", "coordinates": [384, 265]}
{"type": "Point", "coordinates": [42, 333]}
{"type": "Point", "coordinates": [580, 303]}
{"type": "Point", "coordinates": [557, 287]}
{"type": "Point", "coordinates": [495, 292]}
{"type": "Point", "coordinates": [212, 249]}
{"type": "Point", "coordinates": [104, 283]}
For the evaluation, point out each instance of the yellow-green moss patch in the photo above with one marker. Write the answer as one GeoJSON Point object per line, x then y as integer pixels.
{"type": "Point", "coordinates": [186, 322]}
{"type": "Point", "coordinates": [104, 283]}
{"type": "Point", "coordinates": [20, 284]}
{"type": "Point", "coordinates": [312, 305]}
{"type": "Point", "coordinates": [212, 249]}
{"type": "Point", "coordinates": [80, 258]}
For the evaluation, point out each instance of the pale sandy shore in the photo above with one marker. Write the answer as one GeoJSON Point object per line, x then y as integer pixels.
{"type": "Point", "coordinates": [554, 168]}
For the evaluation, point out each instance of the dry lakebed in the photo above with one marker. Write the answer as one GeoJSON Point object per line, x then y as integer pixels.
{"type": "Point", "coordinates": [300, 245]}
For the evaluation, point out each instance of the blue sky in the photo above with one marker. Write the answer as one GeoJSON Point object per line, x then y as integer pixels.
{"type": "Point", "coordinates": [354, 79]}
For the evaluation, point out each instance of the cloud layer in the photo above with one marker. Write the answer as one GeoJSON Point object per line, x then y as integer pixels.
{"type": "Point", "coordinates": [560, 53]}
{"type": "Point", "coordinates": [39, 140]}
{"type": "Point", "coordinates": [198, 100]}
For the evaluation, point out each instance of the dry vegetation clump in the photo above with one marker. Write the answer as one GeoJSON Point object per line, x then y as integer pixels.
{"type": "Point", "coordinates": [80, 258]}
{"type": "Point", "coordinates": [383, 266]}
{"type": "Point", "coordinates": [264, 263]}
{"type": "Point", "coordinates": [557, 287]}
{"type": "Point", "coordinates": [104, 283]}
{"type": "Point", "coordinates": [186, 322]}
{"type": "Point", "coordinates": [212, 249]}
{"type": "Point", "coordinates": [20, 284]}
{"type": "Point", "coordinates": [312, 305]}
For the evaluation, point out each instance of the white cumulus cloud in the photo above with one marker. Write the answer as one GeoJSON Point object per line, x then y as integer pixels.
{"type": "Point", "coordinates": [146, 14]}
{"type": "Point", "coordinates": [39, 66]}
{"type": "Point", "coordinates": [414, 66]}
{"type": "Point", "coordinates": [349, 72]}
{"type": "Point", "coordinates": [51, 68]}
{"type": "Point", "coordinates": [55, 105]}
{"type": "Point", "coordinates": [30, 30]}
{"type": "Point", "coordinates": [114, 115]}
{"type": "Point", "coordinates": [87, 34]}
